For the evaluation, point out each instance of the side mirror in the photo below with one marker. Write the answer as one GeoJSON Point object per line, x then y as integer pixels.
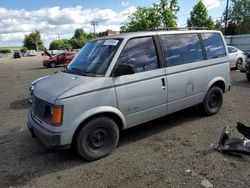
{"type": "Point", "coordinates": [123, 69]}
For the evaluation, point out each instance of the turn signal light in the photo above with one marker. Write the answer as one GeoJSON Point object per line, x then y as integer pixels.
{"type": "Point", "coordinates": [57, 115]}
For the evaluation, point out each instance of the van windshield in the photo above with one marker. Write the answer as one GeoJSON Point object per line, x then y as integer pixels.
{"type": "Point", "coordinates": [94, 58]}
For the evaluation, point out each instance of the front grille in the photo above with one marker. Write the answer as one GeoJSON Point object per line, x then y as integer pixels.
{"type": "Point", "coordinates": [41, 109]}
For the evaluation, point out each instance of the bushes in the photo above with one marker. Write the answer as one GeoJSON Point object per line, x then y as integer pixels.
{"type": "Point", "coordinates": [24, 50]}
{"type": "Point", "coordinates": [5, 51]}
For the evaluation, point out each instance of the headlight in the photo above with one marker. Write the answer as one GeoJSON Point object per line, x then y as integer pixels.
{"type": "Point", "coordinates": [31, 88]}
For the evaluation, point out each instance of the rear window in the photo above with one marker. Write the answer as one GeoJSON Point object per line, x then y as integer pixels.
{"type": "Point", "coordinates": [214, 45]}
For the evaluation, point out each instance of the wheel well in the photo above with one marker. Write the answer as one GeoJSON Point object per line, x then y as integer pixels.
{"type": "Point", "coordinates": [219, 84]}
{"type": "Point", "coordinates": [113, 116]}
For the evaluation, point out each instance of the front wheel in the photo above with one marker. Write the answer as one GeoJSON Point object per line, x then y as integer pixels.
{"type": "Point", "coordinates": [52, 65]}
{"type": "Point", "coordinates": [97, 139]}
{"type": "Point", "coordinates": [213, 101]}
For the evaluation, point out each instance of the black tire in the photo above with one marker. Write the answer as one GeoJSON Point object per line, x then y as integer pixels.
{"type": "Point", "coordinates": [213, 101]}
{"type": "Point", "coordinates": [97, 138]}
{"type": "Point", "coordinates": [248, 76]}
{"type": "Point", "coordinates": [52, 64]}
{"type": "Point", "coordinates": [238, 63]}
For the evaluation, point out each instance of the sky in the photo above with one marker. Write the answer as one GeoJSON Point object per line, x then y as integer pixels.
{"type": "Point", "coordinates": [59, 18]}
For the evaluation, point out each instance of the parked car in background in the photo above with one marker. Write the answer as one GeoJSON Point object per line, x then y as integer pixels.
{"type": "Point", "coordinates": [236, 57]}
{"type": "Point", "coordinates": [244, 68]}
{"type": "Point", "coordinates": [31, 53]}
{"type": "Point", "coordinates": [61, 58]}
{"type": "Point", "coordinates": [16, 54]}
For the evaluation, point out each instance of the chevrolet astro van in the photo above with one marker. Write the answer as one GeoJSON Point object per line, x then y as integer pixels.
{"type": "Point", "coordinates": [120, 81]}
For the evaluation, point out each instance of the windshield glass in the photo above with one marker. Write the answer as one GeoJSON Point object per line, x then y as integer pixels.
{"type": "Point", "coordinates": [94, 58]}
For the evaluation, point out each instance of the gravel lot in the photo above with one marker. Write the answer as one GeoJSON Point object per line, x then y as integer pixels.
{"type": "Point", "coordinates": [155, 154]}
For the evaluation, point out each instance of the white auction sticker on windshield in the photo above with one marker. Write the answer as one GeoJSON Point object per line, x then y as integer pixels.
{"type": "Point", "coordinates": [111, 42]}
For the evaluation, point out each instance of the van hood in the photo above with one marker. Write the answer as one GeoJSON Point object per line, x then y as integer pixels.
{"type": "Point", "coordinates": [60, 85]}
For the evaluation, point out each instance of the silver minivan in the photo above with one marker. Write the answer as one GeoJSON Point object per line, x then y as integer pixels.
{"type": "Point", "coordinates": [120, 81]}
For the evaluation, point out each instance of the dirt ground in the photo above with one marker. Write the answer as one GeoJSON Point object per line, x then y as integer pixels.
{"type": "Point", "coordinates": [173, 151]}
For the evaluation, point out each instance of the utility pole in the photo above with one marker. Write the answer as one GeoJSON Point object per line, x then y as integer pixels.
{"type": "Point", "coordinates": [59, 36]}
{"type": "Point", "coordinates": [94, 23]}
{"type": "Point", "coordinates": [226, 18]}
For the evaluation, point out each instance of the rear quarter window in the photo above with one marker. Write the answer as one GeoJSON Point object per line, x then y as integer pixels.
{"type": "Point", "coordinates": [214, 45]}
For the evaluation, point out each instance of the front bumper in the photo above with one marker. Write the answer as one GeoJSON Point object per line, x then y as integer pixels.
{"type": "Point", "coordinates": [48, 138]}
{"type": "Point", "coordinates": [46, 63]}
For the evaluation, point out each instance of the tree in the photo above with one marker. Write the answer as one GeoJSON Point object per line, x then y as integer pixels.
{"type": "Point", "coordinates": [232, 28]}
{"type": "Point", "coordinates": [77, 41]}
{"type": "Point", "coordinates": [33, 41]}
{"type": "Point", "coordinates": [219, 25]}
{"type": "Point", "coordinates": [63, 44]}
{"type": "Point", "coordinates": [24, 50]}
{"type": "Point", "coordinates": [80, 38]}
{"type": "Point", "coordinates": [240, 10]}
{"type": "Point", "coordinates": [143, 19]}
{"type": "Point", "coordinates": [79, 33]}
{"type": "Point", "coordinates": [162, 14]}
{"type": "Point", "coordinates": [199, 17]}
{"type": "Point", "coordinates": [244, 27]}
{"type": "Point", "coordinates": [167, 12]}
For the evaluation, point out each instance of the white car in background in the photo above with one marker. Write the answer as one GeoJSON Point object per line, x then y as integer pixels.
{"type": "Point", "coordinates": [236, 57]}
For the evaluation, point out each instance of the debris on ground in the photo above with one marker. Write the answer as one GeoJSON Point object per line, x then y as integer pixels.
{"type": "Point", "coordinates": [205, 183]}
{"type": "Point", "coordinates": [235, 146]}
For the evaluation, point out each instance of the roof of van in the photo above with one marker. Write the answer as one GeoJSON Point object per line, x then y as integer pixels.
{"type": "Point", "coordinates": [160, 32]}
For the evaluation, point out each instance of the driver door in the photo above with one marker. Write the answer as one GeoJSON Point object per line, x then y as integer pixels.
{"type": "Point", "coordinates": [141, 96]}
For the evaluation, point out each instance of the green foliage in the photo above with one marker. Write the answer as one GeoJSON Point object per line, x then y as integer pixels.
{"type": "Point", "coordinates": [32, 41]}
{"type": "Point", "coordinates": [63, 44]}
{"type": "Point", "coordinates": [244, 27]}
{"type": "Point", "coordinates": [240, 10]}
{"type": "Point", "coordinates": [159, 15]}
{"type": "Point", "coordinates": [80, 38]}
{"type": "Point", "coordinates": [77, 41]}
{"type": "Point", "coordinates": [167, 12]}
{"type": "Point", "coordinates": [80, 33]}
{"type": "Point", "coordinates": [199, 17]}
{"type": "Point", "coordinates": [24, 50]}
{"type": "Point", "coordinates": [218, 25]}
{"type": "Point", "coordinates": [42, 48]}
{"type": "Point", "coordinates": [5, 51]}
{"type": "Point", "coordinates": [143, 19]}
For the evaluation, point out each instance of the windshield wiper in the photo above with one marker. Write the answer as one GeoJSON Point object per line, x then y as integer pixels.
{"type": "Point", "coordinates": [78, 71]}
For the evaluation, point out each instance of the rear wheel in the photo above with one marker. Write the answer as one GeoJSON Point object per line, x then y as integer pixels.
{"type": "Point", "coordinates": [213, 101]}
{"type": "Point", "coordinates": [97, 139]}
{"type": "Point", "coordinates": [239, 63]}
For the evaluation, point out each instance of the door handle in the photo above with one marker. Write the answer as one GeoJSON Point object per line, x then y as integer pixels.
{"type": "Point", "coordinates": [163, 83]}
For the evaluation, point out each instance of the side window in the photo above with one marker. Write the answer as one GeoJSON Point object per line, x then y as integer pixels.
{"type": "Point", "coordinates": [181, 49]}
{"type": "Point", "coordinates": [214, 45]}
{"type": "Point", "coordinates": [140, 53]}
{"type": "Point", "coordinates": [231, 50]}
